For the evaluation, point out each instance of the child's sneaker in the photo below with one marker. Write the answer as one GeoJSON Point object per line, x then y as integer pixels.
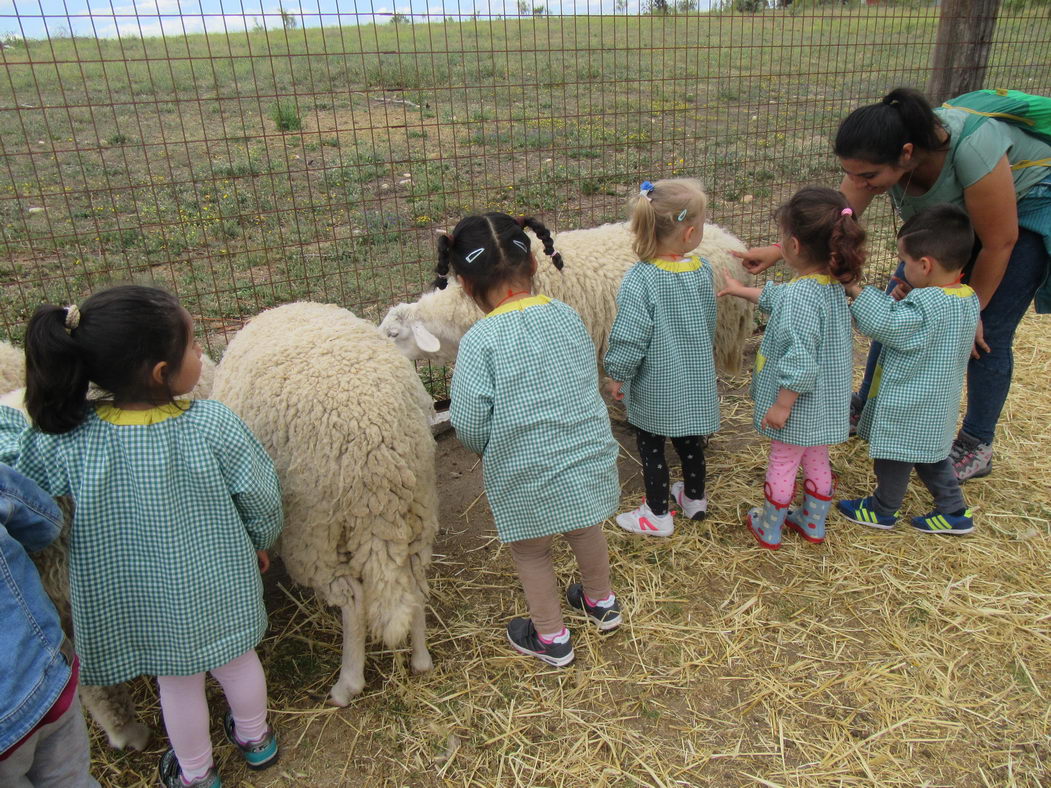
{"type": "Point", "coordinates": [939, 523]}
{"type": "Point", "coordinates": [644, 521]}
{"type": "Point", "coordinates": [171, 774]}
{"type": "Point", "coordinates": [970, 458]}
{"type": "Point", "coordinates": [861, 511]}
{"type": "Point", "coordinates": [695, 509]}
{"type": "Point", "coordinates": [524, 638]}
{"type": "Point", "coordinates": [605, 614]}
{"type": "Point", "coordinates": [260, 754]}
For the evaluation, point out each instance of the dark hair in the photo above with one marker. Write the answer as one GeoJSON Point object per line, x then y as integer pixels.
{"type": "Point", "coordinates": [877, 133]}
{"type": "Point", "coordinates": [942, 232]}
{"type": "Point", "coordinates": [827, 229]}
{"type": "Point", "coordinates": [489, 249]}
{"type": "Point", "coordinates": [122, 332]}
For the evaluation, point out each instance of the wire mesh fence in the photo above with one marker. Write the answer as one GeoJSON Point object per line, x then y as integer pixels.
{"type": "Point", "coordinates": [247, 158]}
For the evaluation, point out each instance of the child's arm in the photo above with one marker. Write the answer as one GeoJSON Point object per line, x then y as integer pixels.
{"type": "Point", "coordinates": [735, 288]}
{"type": "Point", "coordinates": [471, 397]}
{"type": "Point", "coordinates": [777, 414]}
{"type": "Point", "coordinates": [252, 481]}
{"type": "Point", "coordinates": [629, 339]}
{"type": "Point", "coordinates": [33, 518]}
{"type": "Point", "coordinates": [896, 324]}
{"type": "Point", "coordinates": [31, 452]}
{"type": "Point", "coordinates": [797, 370]}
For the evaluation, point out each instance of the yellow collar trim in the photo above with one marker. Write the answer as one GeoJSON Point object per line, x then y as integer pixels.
{"type": "Point", "coordinates": [519, 305]}
{"type": "Point", "coordinates": [123, 418]}
{"type": "Point", "coordinates": [821, 279]}
{"type": "Point", "coordinates": [960, 291]}
{"type": "Point", "coordinates": [691, 263]}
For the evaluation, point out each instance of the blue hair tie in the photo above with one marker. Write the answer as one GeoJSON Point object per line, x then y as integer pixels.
{"type": "Point", "coordinates": [646, 189]}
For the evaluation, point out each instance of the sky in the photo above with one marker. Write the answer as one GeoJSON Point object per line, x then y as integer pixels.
{"type": "Point", "coordinates": [111, 18]}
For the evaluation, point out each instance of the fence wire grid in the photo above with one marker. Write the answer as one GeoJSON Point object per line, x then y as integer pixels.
{"type": "Point", "coordinates": [313, 154]}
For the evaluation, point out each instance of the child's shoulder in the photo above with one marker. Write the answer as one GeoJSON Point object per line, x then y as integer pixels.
{"type": "Point", "coordinates": [210, 414]}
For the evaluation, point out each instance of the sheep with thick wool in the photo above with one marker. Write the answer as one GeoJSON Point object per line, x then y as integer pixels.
{"type": "Point", "coordinates": [345, 418]}
{"type": "Point", "coordinates": [595, 261]}
{"type": "Point", "coordinates": [110, 706]}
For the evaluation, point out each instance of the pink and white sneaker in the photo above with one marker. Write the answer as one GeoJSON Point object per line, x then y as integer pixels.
{"type": "Point", "coordinates": [694, 508]}
{"type": "Point", "coordinates": [644, 521]}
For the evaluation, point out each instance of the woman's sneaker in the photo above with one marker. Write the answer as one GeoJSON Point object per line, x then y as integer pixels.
{"type": "Point", "coordinates": [644, 521]}
{"type": "Point", "coordinates": [939, 523]}
{"type": "Point", "coordinates": [524, 638]}
{"type": "Point", "coordinates": [694, 508]}
{"type": "Point", "coordinates": [605, 614]}
{"type": "Point", "coordinates": [259, 754]}
{"type": "Point", "coordinates": [861, 511]}
{"type": "Point", "coordinates": [171, 774]}
{"type": "Point", "coordinates": [856, 406]}
{"type": "Point", "coordinates": [970, 458]}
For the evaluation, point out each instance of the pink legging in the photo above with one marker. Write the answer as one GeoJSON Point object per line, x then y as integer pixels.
{"type": "Point", "coordinates": [785, 459]}
{"type": "Point", "coordinates": [185, 710]}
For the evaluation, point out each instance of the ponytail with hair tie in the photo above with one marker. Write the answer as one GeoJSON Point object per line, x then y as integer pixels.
{"type": "Point", "coordinates": [544, 236]}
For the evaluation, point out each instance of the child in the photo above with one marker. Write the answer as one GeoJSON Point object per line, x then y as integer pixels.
{"type": "Point", "coordinates": [43, 741]}
{"type": "Point", "coordinates": [525, 396]}
{"type": "Point", "coordinates": [660, 350]}
{"type": "Point", "coordinates": [176, 504]}
{"type": "Point", "coordinates": [801, 384]}
{"type": "Point", "coordinates": [910, 415]}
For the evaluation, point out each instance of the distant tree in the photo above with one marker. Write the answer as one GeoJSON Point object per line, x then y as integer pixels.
{"type": "Point", "coordinates": [398, 19]}
{"type": "Point", "coordinates": [658, 6]}
{"type": "Point", "coordinates": [288, 19]}
{"type": "Point", "coordinates": [621, 6]}
{"type": "Point", "coordinates": [539, 10]}
{"type": "Point", "coordinates": [685, 6]}
{"type": "Point", "coordinates": [523, 8]}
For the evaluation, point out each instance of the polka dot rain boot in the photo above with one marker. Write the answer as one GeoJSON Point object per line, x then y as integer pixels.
{"type": "Point", "coordinates": [765, 524]}
{"type": "Point", "coordinates": [809, 520]}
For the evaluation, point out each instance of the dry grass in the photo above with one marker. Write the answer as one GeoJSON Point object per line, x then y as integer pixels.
{"type": "Point", "coordinates": [890, 659]}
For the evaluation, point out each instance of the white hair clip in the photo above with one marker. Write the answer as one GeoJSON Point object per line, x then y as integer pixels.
{"type": "Point", "coordinates": [682, 215]}
{"type": "Point", "coordinates": [520, 245]}
{"type": "Point", "coordinates": [472, 256]}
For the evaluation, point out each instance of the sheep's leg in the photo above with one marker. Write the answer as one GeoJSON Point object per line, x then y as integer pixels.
{"type": "Point", "coordinates": [352, 670]}
{"type": "Point", "coordinates": [113, 710]}
{"type": "Point", "coordinates": [421, 657]}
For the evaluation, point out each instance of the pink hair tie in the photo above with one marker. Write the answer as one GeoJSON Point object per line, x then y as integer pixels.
{"type": "Point", "coordinates": [847, 212]}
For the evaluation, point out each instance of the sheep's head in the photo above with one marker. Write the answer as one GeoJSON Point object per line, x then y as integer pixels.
{"type": "Point", "coordinates": [409, 334]}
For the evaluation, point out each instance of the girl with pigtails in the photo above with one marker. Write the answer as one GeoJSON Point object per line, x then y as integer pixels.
{"type": "Point", "coordinates": [660, 350]}
{"type": "Point", "coordinates": [801, 383]}
{"type": "Point", "coordinates": [525, 395]}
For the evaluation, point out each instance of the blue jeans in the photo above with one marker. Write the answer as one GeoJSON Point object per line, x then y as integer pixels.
{"type": "Point", "coordinates": [989, 376]}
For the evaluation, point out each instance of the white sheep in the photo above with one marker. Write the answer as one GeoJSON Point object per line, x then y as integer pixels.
{"type": "Point", "coordinates": [345, 418]}
{"type": "Point", "coordinates": [110, 706]}
{"type": "Point", "coordinates": [595, 263]}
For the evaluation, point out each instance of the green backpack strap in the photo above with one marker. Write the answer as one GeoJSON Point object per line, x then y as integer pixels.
{"type": "Point", "coordinates": [1029, 112]}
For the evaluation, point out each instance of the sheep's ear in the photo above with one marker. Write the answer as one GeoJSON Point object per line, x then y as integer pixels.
{"type": "Point", "coordinates": [425, 340]}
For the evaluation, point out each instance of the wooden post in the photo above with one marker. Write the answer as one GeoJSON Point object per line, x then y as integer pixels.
{"type": "Point", "coordinates": [965, 33]}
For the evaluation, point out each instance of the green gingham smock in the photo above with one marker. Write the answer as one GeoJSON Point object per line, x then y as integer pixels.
{"type": "Point", "coordinates": [911, 411]}
{"type": "Point", "coordinates": [660, 347]}
{"type": "Point", "coordinates": [807, 348]}
{"type": "Point", "coordinates": [170, 507]}
{"type": "Point", "coordinates": [525, 396]}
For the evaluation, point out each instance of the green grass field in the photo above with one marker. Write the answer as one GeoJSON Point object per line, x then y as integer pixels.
{"type": "Point", "coordinates": [247, 170]}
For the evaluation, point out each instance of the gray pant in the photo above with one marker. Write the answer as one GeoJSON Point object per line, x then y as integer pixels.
{"type": "Point", "coordinates": [892, 480]}
{"type": "Point", "coordinates": [56, 756]}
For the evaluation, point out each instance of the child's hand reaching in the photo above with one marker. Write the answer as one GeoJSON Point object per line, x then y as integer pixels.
{"type": "Point", "coordinates": [735, 288]}
{"type": "Point", "coordinates": [264, 560]}
{"type": "Point", "coordinates": [615, 390]}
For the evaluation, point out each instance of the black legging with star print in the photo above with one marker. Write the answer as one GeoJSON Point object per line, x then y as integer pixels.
{"type": "Point", "coordinates": [655, 470]}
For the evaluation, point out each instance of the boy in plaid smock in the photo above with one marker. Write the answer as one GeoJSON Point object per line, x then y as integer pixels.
{"type": "Point", "coordinates": [175, 506]}
{"type": "Point", "coordinates": [801, 385]}
{"type": "Point", "coordinates": [525, 396]}
{"type": "Point", "coordinates": [927, 336]}
{"type": "Point", "coordinates": [660, 350]}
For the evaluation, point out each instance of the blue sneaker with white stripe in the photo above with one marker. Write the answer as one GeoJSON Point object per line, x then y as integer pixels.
{"type": "Point", "coordinates": [940, 523]}
{"type": "Point", "coordinates": [862, 512]}
{"type": "Point", "coordinates": [259, 754]}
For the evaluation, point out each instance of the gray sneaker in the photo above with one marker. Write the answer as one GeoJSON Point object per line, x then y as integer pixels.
{"type": "Point", "coordinates": [970, 458]}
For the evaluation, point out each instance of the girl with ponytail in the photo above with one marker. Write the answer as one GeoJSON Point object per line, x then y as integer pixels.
{"type": "Point", "coordinates": [1001, 176]}
{"type": "Point", "coordinates": [660, 353]}
{"type": "Point", "coordinates": [176, 504]}
{"type": "Point", "coordinates": [525, 395]}
{"type": "Point", "coordinates": [801, 384]}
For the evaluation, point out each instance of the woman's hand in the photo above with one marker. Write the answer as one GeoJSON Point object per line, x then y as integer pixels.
{"type": "Point", "coordinates": [980, 344]}
{"type": "Point", "coordinates": [759, 258]}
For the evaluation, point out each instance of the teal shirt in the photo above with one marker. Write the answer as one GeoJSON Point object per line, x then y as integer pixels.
{"type": "Point", "coordinates": [914, 401]}
{"type": "Point", "coordinates": [525, 396]}
{"type": "Point", "coordinates": [660, 347]}
{"type": "Point", "coordinates": [163, 575]}
{"type": "Point", "coordinates": [808, 348]}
